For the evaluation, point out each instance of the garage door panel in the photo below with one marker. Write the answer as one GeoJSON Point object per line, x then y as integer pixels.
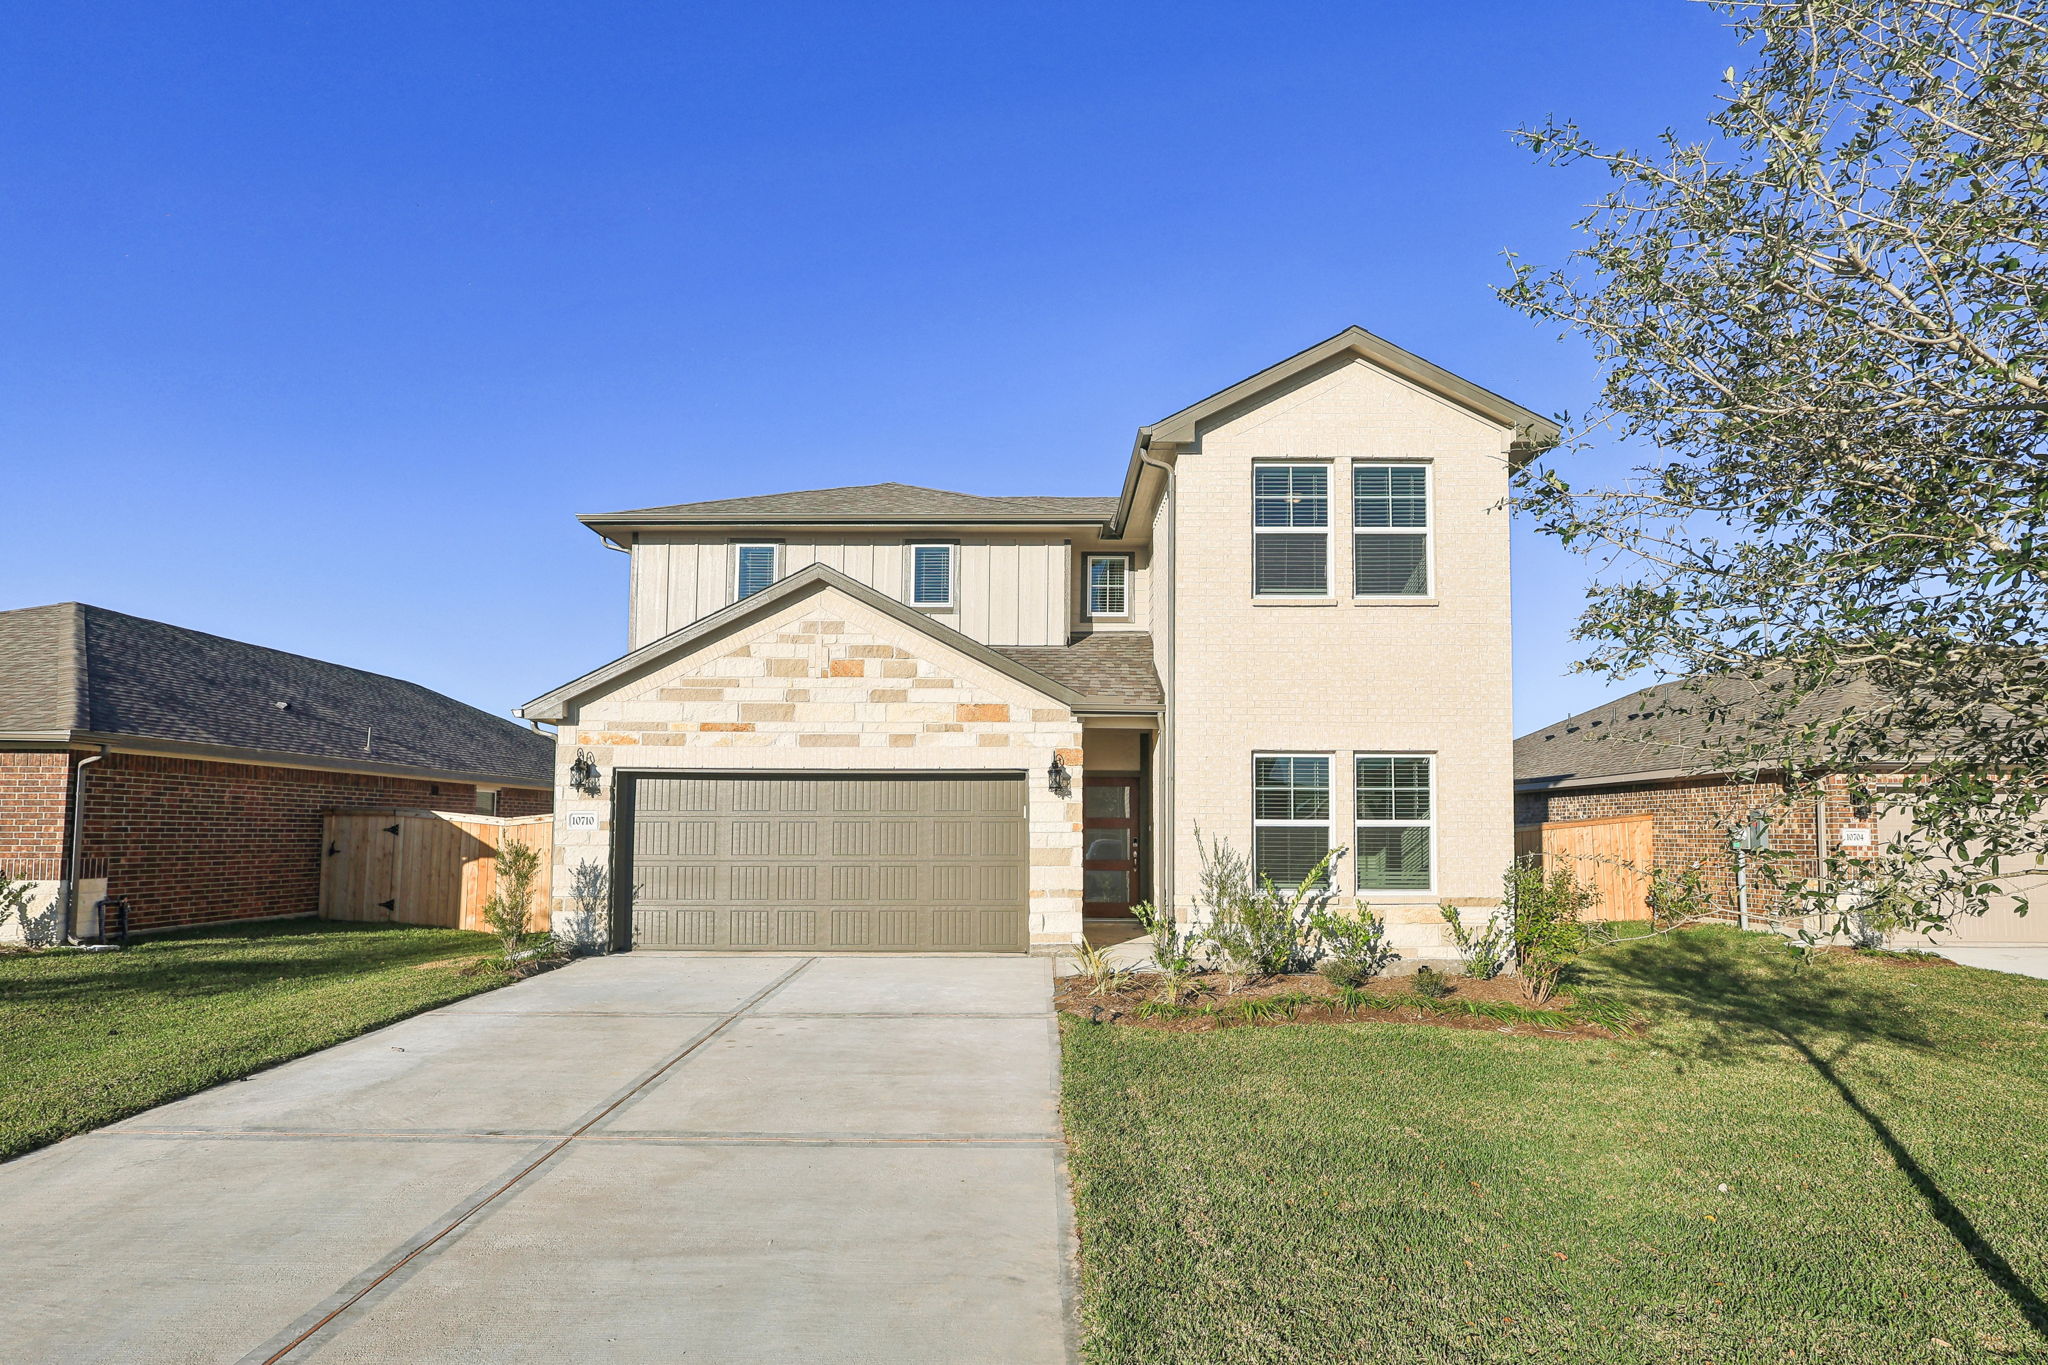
{"type": "Point", "coordinates": [837, 863]}
{"type": "Point", "coordinates": [676, 928]}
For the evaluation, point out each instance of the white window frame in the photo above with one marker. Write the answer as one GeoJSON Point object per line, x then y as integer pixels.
{"type": "Point", "coordinates": [1358, 822]}
{"type": "Point", "coordinates": [1328, 824]}
{"type": "Point", "coordinates": [1326, 530]}
{"type": "Point", "coordinates": [1088, 563]}
{"type": "Point", "coordinates": [1427, 530]}
{"type": "Point", "coordinates": [952, 549]}
{"type": "Point", "coordinates": [739, 547]}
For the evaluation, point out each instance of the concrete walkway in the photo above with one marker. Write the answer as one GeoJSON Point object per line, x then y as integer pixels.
{"type": "Point", "coordinates": [2022, 961]}
{"type": "Point", "coordinates": [641, 1158]}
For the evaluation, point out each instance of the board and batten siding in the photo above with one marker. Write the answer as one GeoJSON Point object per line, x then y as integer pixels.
{"type": "Point", "coordinates": [1008, 590]}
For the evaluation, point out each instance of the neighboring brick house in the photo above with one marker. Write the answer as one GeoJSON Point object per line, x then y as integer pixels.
{"type": "Point", "coordinates": [897, 717]}
{"type": "Point", "coordinates": [1650, 754]}
{"type": "Point", "coordinates": [205, 764]}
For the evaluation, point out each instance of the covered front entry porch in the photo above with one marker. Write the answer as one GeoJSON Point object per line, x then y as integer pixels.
{"type": "Point", "coordinates": [1118, 865]}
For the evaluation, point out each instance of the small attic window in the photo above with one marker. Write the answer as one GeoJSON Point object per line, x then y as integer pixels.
{"type": "Point", "coordinates": [754, 568]}
{"type": "Point", "coordinates": [928, 570]}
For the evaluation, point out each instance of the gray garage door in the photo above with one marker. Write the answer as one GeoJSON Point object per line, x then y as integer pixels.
{"type": "Point", "coordinates": [830, 864]}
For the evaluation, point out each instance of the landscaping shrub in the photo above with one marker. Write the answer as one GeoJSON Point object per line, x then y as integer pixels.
{"type": "Point", "coordinates": [1103, 975]}
{"type": "Point", "coordinates": [1487, 952]}
{"type": "Point", "coordinates": [1353, 945]}
{"type": "Point", "coordinates": [1176, 949]}
{"type": "Point", "coordinates": [1339, 972]}
{"type": "Point", "coordinates": [1547, 919]}
{"type": "Point", "coordinates": [1430, 984]}
{"type": "Point", "coordinates": [511, 901]}
{"type": "Point", "coordinates": [1252, 927]}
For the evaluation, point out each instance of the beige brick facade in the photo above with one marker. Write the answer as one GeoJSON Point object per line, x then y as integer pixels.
{"type": "Point", "coordinates": [827, 683]}
{"type": "Point", "coordinates": [1339, 676]}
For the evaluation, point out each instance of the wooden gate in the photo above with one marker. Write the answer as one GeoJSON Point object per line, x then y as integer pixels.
{"type": "Point", "coordinates": [423, 867]}
{"type": "Point", "coordinates": [1613, 854]}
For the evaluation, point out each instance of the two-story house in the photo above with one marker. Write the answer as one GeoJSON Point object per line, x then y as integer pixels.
{"type": "Point", "coordinates": [887, 717]}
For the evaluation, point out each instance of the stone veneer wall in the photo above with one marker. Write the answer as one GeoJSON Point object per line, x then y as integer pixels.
{"type": "Point", "coordinates": [828, 683]}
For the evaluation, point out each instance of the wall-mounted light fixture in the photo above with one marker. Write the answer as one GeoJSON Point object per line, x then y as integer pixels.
{"type": "Point", "coordinates": [583, 774]}
{"type": "Point", "coordinates": [1057, 778]}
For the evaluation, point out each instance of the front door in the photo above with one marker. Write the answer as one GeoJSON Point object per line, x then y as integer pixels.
{"type": "Point", "coordinates": [1109, 850]}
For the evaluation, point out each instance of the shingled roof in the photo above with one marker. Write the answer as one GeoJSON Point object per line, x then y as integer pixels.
{"type": "Point", "coordinates": [870, 502]}
{"type": "Point", "coordinates": [1109, 665]}
{"type": "Point", "coordinates": [1667, 730]}
{"type": "Point", "coordinates": [72, 671]}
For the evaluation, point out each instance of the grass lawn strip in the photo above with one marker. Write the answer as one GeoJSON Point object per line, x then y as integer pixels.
{"type": "Point", "coordinates": [88, 1038]}
{"type": "Point", "coordinates": [1841, 1162]}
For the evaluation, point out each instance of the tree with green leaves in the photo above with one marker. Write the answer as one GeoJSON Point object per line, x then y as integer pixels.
{"type": "Point", "coordinates": [509, 907]}
{"type": "Point", "coordinates": [1827, 316]}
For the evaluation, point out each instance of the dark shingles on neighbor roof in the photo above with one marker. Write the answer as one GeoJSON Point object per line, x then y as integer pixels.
{"type": "Point", "coordinates": [41, 673]}
{"type": "Point", "coordinates": [1673, 727]}
{"type": "Point", "coordinates": [877, 501]}
{"type": "Point", "coordinates": [1109, 665]}
{"type": "Point", "coordinates": [73, 667]}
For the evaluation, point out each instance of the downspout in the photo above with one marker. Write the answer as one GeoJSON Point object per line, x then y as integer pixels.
{"type": "Point", "coordinates": [76, 837]}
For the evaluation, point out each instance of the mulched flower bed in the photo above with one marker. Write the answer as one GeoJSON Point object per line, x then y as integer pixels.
{"type": "Point", "coordinates": [1495, 1006]}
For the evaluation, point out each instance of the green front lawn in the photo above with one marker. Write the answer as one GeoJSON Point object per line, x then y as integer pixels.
{"type": "Point", "coordinates": [87, 1038]}
{"type": "Point", "coordinates": [1844, 1163]}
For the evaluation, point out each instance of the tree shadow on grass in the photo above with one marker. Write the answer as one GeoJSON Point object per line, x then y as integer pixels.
{"type": "Point", "coordinates": [1726, 996]}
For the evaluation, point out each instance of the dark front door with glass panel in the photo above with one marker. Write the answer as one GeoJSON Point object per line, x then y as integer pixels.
{"type": "Point", "coordinates": [1109, 849]}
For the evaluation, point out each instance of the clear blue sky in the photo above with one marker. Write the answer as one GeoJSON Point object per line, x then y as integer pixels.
{"type": "Point", "coordinates": [319, 322]}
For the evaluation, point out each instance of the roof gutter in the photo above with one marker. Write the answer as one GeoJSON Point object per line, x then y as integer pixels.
{"type": "Point", "coordinates": [267, 758]}
{"type": "Point", "coordinates": [1141, 458]}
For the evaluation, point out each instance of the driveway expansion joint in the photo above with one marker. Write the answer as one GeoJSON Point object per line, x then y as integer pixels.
{"type": "Point", "coordinates": [421, 1244]}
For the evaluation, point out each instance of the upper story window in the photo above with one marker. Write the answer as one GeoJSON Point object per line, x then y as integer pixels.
{"type": "Point", "coordinates": [1109, 585]}
{"type": "Point", "coordinates": [1290, 815]}
{"type": "Point", "coordinates": [930, 571]}
{"type": "Point", "coordinates": [1291, 530]}
{"type": "Point", "coordinates": [1390, 530]}
{"type": "Point", "coordinates": [754, 567]}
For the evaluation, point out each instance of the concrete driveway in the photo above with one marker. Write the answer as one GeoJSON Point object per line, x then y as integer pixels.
{"type": "Point", "coordinates": [639, 1158]}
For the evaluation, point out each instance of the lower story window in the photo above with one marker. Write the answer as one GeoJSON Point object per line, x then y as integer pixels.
{"type": "Point", "coordinates": [1290, 815]}
{"type": "Point", "coordinates": [1396, 821]}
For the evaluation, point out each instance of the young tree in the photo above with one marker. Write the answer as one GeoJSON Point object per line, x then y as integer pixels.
{"type": "Point", "coordinates": [1829, 317]}
{"type": "Point", "coordinates": [509, 905]}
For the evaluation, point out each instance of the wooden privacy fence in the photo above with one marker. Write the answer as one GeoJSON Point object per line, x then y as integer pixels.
{"type": "Point", "coordinates": [1613, 854]}
{"type": "Point", "coordinates": [424, 867]}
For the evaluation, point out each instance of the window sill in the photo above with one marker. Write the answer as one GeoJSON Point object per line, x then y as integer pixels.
{"type": "Point", "coordinates": [1259, 600]}
{"type": "Point", "coordinates": [1396, 602]}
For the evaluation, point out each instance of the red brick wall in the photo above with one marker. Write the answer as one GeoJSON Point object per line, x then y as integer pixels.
{"type": "Point", "coordinates": [32, 807]}
{"type": "Point", "coordinates": [517, 801]}
{"type": "Point", "coordinates": [189, 841]}
{"type": "Point", "coordinates": [1691, 821]}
